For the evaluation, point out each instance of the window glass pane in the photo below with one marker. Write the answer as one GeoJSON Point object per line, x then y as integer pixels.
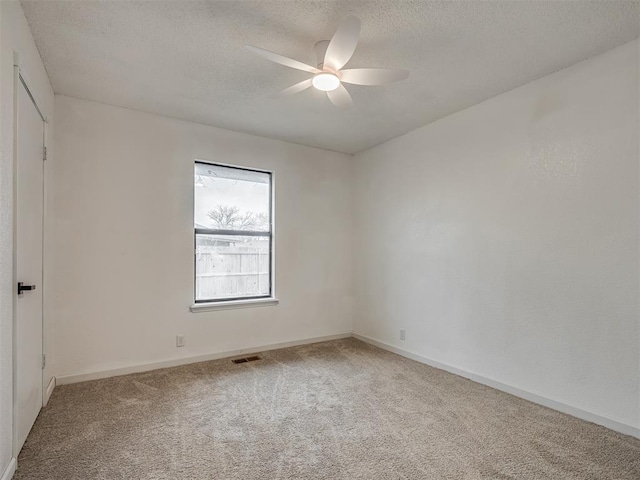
{"type": "Point", "coordinates": [230, 267]}
{"type": "Point", "coordinates": [231, 198]}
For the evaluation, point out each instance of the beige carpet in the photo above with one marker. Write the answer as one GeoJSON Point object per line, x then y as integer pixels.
{"type": "Point", "coordinates": [335, 410]}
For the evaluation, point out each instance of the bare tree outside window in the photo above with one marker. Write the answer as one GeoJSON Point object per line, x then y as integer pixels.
{"type": "Point", "coordinates": [229, 217]}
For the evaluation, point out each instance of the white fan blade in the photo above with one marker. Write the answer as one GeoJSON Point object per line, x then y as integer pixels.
{"type": "Point", "coordinates": [298, 87]}
{"type": "Point", "coordinates": [372, 76]}
{"type": "Point", "coordinates": [282, 60]}
{"type": "Point", "coordinates": [343, 43]}
{"type": "Point", "coordinates": [340, 98]}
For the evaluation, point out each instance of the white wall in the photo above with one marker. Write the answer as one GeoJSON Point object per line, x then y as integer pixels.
{"type": "Point", "coordinates": [123, 240]}
{"type": "Point", "coordinates": [15, 36]}
{"type": "Point", "coordinates": [505, 238]}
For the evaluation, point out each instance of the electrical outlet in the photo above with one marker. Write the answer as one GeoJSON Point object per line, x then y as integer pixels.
{"type": "Point", "coordinates": [402, 335]}
{"type": "Point", "coordinates": [179, 340]}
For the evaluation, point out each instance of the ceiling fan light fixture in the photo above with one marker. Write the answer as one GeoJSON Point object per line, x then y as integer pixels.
{"type": "Point", "coordinates": [332, 55]}
{"type": "Point", "coordinates": [326, 82]}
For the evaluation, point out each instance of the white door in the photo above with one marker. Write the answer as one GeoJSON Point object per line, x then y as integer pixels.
{"type": "Point", "coordinates": [29, 235]}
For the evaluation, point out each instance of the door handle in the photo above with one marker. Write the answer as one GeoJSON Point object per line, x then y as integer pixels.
{"type": "Point", "coordinates": [22, 287]}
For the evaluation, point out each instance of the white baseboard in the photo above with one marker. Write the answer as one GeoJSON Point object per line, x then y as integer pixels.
{"type": "Point", "coordinates": [83, 377]}
{"type": "Point", "coordinates": [49, 391]}
{"type": "Point", "coordinates": [532, 397]}
{"type": "Point", "coordinates": [10, 470]}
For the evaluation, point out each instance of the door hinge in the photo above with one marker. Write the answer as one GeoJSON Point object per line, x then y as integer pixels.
{"type": "Point", "coordinates": [44, 361]}
{"type": "Point", "coordinates": [44, 153]}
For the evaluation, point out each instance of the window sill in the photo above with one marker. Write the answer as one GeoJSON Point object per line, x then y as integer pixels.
{"type": "Point", "coordinates": [231, 304]}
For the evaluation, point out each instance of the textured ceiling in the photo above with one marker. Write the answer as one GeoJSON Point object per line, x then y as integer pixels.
{"type": "Point", "coordinates": [185, 59]}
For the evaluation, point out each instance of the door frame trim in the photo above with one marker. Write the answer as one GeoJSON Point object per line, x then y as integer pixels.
{"type": "Point", "coordinates": [20, 78]}
{"type": "Point", "coordinates": [26, 87]}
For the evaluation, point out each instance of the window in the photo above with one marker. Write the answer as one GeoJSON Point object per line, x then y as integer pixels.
{"type": "Point", "coordinates": [233, 219]}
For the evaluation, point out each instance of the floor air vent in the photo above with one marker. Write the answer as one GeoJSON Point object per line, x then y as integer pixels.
{"type": "Point", "coordinates": [245, 360]}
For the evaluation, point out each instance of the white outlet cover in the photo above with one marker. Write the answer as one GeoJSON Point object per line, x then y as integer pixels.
{"type": "Point", "coordinates": [179, 340]}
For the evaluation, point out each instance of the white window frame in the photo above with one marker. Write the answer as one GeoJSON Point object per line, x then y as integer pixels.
{"type": "Point", "coordinates": [243, 302]}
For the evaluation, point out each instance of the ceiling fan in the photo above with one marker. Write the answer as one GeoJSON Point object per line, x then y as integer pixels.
{"type": "Point", "coordinates": [332, 55]}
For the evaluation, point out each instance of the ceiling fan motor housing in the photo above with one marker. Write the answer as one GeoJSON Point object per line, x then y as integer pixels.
{"type": "Point", "coordinates": [321, 48]}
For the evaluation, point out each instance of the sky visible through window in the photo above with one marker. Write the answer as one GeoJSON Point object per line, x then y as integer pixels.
{"type": "Point", "coordinates": [219, 189]}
